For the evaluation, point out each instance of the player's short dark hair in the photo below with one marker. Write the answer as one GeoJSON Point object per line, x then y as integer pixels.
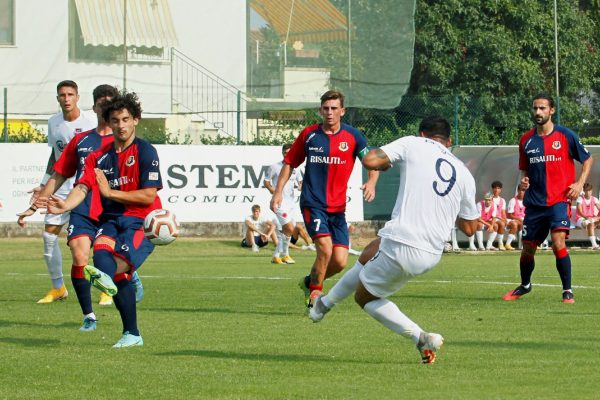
{"type": "Point", "coordinates": [521, 186]}
{"type": "Point", "coordinates": [104, 91]}
{"type": "Point", "coordinates": [67, 83]}
{"type": "Point", "coordinates": [545, 96]}
{"type": "Point", "coordinates": [496, 184]}
{"type": "Point", "coordinates": [587, 186]}
{"type": "Point", "coordinates": [255, 207]}
{"type": "Point", "coordinates": [123, 100]}
{"type": "Point", "coordinates": [333, 95]}
{"type": "Point", "coordinates": [435, 126]}
{"type": "Point", "coordinates": [286, 147]}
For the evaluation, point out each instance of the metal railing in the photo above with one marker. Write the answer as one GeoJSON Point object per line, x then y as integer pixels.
{"type": "Point", "coordinates": [197, 91]}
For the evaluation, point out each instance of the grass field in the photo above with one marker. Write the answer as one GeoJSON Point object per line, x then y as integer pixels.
{"type": "Point", "coordinates": [219, 322]}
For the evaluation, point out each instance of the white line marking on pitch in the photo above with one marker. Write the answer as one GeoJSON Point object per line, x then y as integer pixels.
{"type": "Point", "coordinates": [280, 278]}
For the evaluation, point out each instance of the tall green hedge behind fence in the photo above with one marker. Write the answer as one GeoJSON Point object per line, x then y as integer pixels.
{"type": "Point", "coordinates": [474, 120]}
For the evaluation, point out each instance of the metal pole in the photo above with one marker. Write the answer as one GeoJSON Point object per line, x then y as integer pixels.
{"type": "Point", "coordinates": [5, 115]}
{"type": "Point", "coordinates": [456, 121]}
{"type": "Point", "coordinates": [124, 44]}
{"type": "Point", "coordinates": [239, 116]}
{"type": "Point", "coordinates": [349, 35]}
{"type": "Point", "coordinates": [556, 62]}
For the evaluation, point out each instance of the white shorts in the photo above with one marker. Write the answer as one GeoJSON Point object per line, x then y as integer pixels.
{"type": "Point", "coordinates": [58, 219]}
{"type": "Point", "coordinates": [284, 217]}
{"type": "Point", "coordinates": [393, 266]}
{"type": "Point", "coordinates": [582, 222]}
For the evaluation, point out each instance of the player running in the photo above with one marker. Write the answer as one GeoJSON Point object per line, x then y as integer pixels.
{"type": "Point", "coordinates": [330, 150]}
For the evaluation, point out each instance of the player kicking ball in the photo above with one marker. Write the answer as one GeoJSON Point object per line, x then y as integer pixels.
{"type": "Point", "coordinates": [429, 174]}
{"type": "Point", "coordinates": [124, 178]}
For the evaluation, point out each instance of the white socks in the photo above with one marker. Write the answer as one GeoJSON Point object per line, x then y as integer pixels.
{"type": "Point", "coordinates": [285, 247]}
{"type": "Point", "coordinates": [392, 318]}
{"type": "Point", "coordinates": [479, 236]}
{"type": "Point", "coordinates": [344, 287]}
{"type": "Point", "coordinates": [279, 246]}
{"type": "Point", "coordinates": [500, 240]}
{"type": "Point", "coordinates": [593, 241]}
{"type": "Point", "coordinates": [454, 240]}
{"type": "Point", "coordinates": [53, 258]}
{"type": "Point", "coordinates": [491, 239]}
{"type": "Point", "coordinates": [510, 238]}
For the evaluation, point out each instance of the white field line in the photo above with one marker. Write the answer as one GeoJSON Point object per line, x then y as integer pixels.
{"type": "Point", "coordinates": [281, 278]}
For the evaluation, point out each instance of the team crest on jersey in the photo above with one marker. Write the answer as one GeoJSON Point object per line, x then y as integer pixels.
{"type": "Point", "coordinates": [556, 145]}
{"type": "Point", "coordinates": [78, 130]}
{"type": "Point", "coordinates": [343, 146]}
{"type": "Point", "coordinates": [130, 161]}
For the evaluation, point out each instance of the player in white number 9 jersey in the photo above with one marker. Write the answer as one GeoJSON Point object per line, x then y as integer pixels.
{"type": "Point", "coordinates": [435, 188]}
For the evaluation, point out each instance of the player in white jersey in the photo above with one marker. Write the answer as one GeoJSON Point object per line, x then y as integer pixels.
{"type": "Point", "coordinates": [62, 126]}
{"type": "Point", "coordinates": [587, 214]}
{"type": "Point", "coordinates": [284, 212]}
{"type": "Point", "coordinates": [515, 212]}
{"type": "Point", "coordinates": [412, 242]}
{"type": "Point", "coordinates": [257, 230]}
{"type": "Point", "coordinates": [500, 204]}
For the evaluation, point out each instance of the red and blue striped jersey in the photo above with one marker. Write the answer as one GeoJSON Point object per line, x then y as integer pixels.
{"type": "Point", "coordinates": [549, 163]}
{"type": "Point", "coordinates": [134, 168]}
{"type": "Point", "coordinates": [329, 163]}
{"type": "Point", "coordinates": [73, 157]}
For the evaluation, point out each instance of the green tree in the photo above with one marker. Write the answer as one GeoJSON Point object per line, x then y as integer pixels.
{"type": "Point", "coordinates": [502, 52]}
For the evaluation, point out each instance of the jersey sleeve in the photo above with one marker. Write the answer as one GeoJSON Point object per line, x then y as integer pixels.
{"type": "Point", "coordinates": [468, 208]}
{"type": "Point", "coordinates": [297, 153]}
{"type": "Point", "coordinates": [67, 163]}
{"type": "Point", "coordinates": [576, 149]}
{"type": "Point", "coordinates": [150, 169]}
{"type": "Point", "coordinates": [361, 148]}
{"type": "Point", "coordinates": [523, 161]}
{"type": "Point", "coordinates": [395, 150]}
{"type": "Point", "coordinates": [88, 176]}
{"type": "Point", "coordinates": [511, 206]}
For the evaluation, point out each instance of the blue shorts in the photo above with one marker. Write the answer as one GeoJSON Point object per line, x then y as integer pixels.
{"type": "Point", "coordinates": [322, 223]}
{"type": "Point", "coordinates": [80, 225]}
{"type": "Point", "coordinates": [541, 220]}
{"type": "Point", "coordinates": [130, 243]}
{"type": "Point", "coordinates": [257, 240]}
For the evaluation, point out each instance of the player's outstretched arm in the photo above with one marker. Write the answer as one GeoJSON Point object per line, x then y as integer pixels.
{"type": "Point", "coordinates": [376, 160]}
{"type": "Point", "coordinates": [56, 205]}
{"type": "Point", "coordinates": [40, 195]}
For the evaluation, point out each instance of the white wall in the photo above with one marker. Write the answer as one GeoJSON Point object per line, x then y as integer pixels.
{"type": "Point", "coordinates": [211, 33]}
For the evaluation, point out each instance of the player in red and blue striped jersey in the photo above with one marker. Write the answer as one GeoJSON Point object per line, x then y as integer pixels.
{"type": "Point", "coordinates": [81, 229]}
{"type": "Point", "coordinates": [124, 178]}
{"type": "Point", "coordinates": [546, 161]}
{"type": "Point", "coordinates": [330, 150]}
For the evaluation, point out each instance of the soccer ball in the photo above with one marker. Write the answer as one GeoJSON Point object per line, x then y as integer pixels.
{"type": "Point", "coordinates": [161, 227]}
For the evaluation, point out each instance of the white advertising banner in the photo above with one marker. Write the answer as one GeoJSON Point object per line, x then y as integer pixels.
{"type": "Point", "coordinates": [200, 183]}
{"type": "Point", "coordinates": [22, 167]}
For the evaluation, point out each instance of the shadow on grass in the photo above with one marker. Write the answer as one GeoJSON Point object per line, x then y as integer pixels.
{"type": "Point", "coordinates": [220, 311]}
{"type": "Point", "coordinates": [267, 357]}
{"type": "Point", "coordinates": [5, 323]}
{"type": "Point", "coordinates": [542, 345]}
{"type": "Point", "coordinates": [30, 342]}
{"type": "Point", "coordinates": [458, 297]}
